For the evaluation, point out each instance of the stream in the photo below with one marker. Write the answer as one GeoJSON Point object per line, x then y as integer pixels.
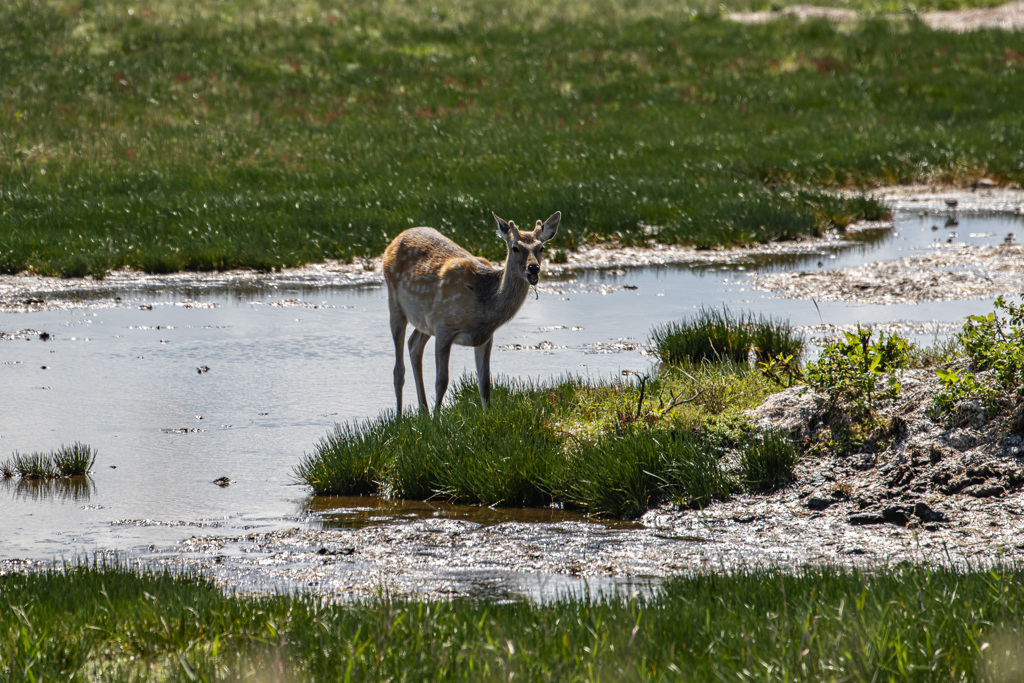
{"type": "Point", "coordinates": [177, 387]}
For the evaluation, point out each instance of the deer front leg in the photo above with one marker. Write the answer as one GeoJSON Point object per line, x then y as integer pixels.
{"type": "Point", "coordinates": [418, 342]}
{"type": "Point", "coordinates": [483, 370]}
{"type": "Point", "coordinates": [398, 324]}
{"type": "Point", "coordinates": [442, 353]}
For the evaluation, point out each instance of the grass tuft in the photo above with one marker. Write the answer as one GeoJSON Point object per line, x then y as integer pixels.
{"type": "Point", "coordinates": [767, 461]}
{"type": "Point", "coordinates": [67, 461]}
{"type": "Point", "coordinates": [720, 336]}
{"type": "Point", "coordinates": [614, 450]}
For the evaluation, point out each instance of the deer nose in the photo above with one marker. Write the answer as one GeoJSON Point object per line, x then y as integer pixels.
{"type": "Point", "coordinates": [533, 269]}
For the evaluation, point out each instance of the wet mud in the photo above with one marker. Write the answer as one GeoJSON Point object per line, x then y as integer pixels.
{"type": "Point", "coordinates": [945, 492]}
{"type": "Point", "coordinates": [1008, 17]}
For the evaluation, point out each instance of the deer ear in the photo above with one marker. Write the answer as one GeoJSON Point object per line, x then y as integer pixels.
{"type": "Point", "coordinates": [507, 231]}
{"type": "Point", "coordinates": [547, 231]}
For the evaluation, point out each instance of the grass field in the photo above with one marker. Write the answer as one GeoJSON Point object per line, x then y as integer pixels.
{"type": "Point", "coordinates": [198, 135]}
{"type": "Point", "coordinates": [905, 623]}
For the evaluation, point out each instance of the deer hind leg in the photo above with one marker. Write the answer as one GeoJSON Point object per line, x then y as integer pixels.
{"type": "Point", "coordinates": [442, 353]}
{"type": "Point", "coordinates": [418, 342]}
{"type": "Point", "coordinates": [483, 370]}
{"type": "Point", "coordinates": [398, 324]}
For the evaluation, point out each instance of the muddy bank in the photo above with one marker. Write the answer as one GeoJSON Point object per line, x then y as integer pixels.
{"type": "Point", "coordinates": [944, 492]}
{"type": "Point", "coordinates": [948, 269]}
{"type": "Point", "coordinates": [1009, 17]}
{"type": "Point", "coordinates": [944, 273]}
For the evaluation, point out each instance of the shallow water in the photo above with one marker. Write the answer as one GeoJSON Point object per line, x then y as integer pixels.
{"type": "Point", "coordinates": [176, 390]}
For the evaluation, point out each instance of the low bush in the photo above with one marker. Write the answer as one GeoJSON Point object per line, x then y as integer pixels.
{"type": "Point", "coordinates": [994, 345]}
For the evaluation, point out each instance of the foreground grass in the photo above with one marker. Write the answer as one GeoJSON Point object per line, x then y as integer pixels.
{"type": "Point", "coordinates": [189, 135]}
{"type": "Point", "coordinates": [904, 623]}
{"type": "Point", "coordinates": [614, 449]}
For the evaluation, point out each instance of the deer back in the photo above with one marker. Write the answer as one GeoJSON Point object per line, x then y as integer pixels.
{"type": "Point", "coordinates": [438, 283]}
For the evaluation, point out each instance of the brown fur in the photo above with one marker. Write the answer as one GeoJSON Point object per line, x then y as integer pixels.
{"type": "Point", "coordinates": [448, 293]}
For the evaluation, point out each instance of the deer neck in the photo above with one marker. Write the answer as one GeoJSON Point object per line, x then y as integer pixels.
{"type": "Point", "coordinates": [503, 298]}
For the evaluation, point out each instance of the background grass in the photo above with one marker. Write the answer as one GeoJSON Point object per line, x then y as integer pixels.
{"type": "Point", "coordinates": [189, 135]}
{"type": "Point", "coordinates": [904, 623]}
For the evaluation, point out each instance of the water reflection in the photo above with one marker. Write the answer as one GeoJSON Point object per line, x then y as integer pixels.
{"type": "Point", "coordinates": [64, 489]}
{"type": "Point", "coordinates": [356, 512]}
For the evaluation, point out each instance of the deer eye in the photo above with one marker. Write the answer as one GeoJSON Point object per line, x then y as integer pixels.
{"type": "Point", "coordinates": [515, 249]}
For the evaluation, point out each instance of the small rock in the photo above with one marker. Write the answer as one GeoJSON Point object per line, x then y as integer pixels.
{"type": "Point", "coordinates": [926, 513]}
{"type": "Point", "coordinates": [866, 518]}
{"type": "Point", "coordinates": [896, 515]}
{"type": "Point", "coordinates": [982, 491]}
{"type": "Point", "coordinates": [818, 503]}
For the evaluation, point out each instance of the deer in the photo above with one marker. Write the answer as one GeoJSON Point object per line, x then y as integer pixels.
{"type": "Point", "coordinates": [458, 298]}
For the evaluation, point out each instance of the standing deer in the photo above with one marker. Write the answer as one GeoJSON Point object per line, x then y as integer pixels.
{"type": "Point", "coordinates": [448, 293]}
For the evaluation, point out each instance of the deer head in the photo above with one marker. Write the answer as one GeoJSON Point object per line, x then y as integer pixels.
{"type": "Point", "coordinates": [525, 248]}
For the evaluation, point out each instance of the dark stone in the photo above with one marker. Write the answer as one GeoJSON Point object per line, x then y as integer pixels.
{"type": "Point", "coordinates": [901, 477]}
{"type": "Point", "coordinates": [816, 503]}
{"type": "Point", "coordinates": [926, 513]}
{"type": "Point", "coordinates": [985, 472]}
{"type": "Point", "coordinates": [985, 491]}
{"type": "Point", "coordinates": [896, 515]}
{"type": "Point", "coordinates": [958, 485]}
{"type": "Point", "coordinates": [867, 518]}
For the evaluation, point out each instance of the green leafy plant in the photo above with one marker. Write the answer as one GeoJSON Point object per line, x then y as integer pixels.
{"type": "Point", "coordinates": [783, 370]}
{"type": "Point", "coordinates": [994, 344]}
{"type": "Point", "coordinates": [858, 373]}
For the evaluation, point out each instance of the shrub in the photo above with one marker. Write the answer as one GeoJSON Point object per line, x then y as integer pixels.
{"type": "Point", "coordinates": [994, 343]}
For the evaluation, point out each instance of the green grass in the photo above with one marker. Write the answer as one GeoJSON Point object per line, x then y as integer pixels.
{"type": "Point", "coordinates": [767, 461]}
{"type": "Point", "coordinates": [903, 623]}
{"type": "Point", "coordinates": [188, 135]}
{"type": "Point", "coordinates": [718, 335]}
{"type": "Point", "coordinates": [607, 449]}
{"type": "Point", "coordinates": [67, 461]}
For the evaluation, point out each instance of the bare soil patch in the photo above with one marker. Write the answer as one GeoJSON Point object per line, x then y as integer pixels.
{"type": "Point", "coordinates": [944, 272]}
{"type": "Point", "coordinates": [1009, 17]}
